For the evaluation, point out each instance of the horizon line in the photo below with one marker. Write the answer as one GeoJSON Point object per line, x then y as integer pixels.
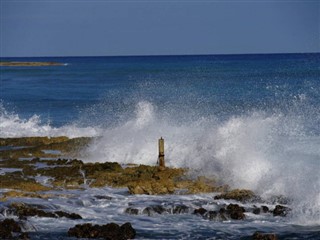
{"type": "Point", "coordinates": [163, 55]}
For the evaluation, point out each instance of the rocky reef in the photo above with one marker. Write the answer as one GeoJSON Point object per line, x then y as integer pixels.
{"type": "Point", "coordinates": [30, 64]}
{"type": "Point", "coordinates": [25, 161]}
{"type": "Point", "coordinates": [29, 156]}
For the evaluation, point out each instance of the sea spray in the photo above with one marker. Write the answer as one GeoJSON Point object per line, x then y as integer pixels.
{"type": "Point", "coordinates": [257, 151]}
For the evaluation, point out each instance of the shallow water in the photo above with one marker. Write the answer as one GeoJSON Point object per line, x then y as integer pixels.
{"type": "Point", "coordinates": [95, 210]}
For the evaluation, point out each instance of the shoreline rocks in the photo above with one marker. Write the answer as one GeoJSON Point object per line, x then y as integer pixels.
{"type": "Point", "coordinates": [10, 229]}
{"type": "Point", "coordinates": [110, 231]}
{"type": "Point", "coordinates": [241, 195]}
{"type": "Point", "coordinates": [23, 211]}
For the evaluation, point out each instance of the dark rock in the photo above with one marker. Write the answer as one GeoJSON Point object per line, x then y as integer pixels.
{"type": "Point", "coordinates": [200, 211]}
{"type": "Point", "coordinates": [212, 215]}
{"type": "Point", "coordinates": [159, 209]}
{"type": "Point", "coordinates": [154, 209]}
{"type": "Point", "coordinates": [24, 210]}
{"type": "Point", "coordinates": [84, 231]}
{"type": "Point", "coordinates": [103, 197]}
{"type": "Point", "coordinates": [281, 211]}
{"type": "Point", "coordinates": [111, 231]}
{"type": "Point", "coordinates": [262, 209]}
{"type": "Point", "coordinates": [68, 215]}
{"type": "Point", "coordinates": [265, 209]}
{"type": "Point", "coordinates": [128, 231]}
{"type": "Point", "coordinates": [256, 211]}
{"type": "Point", "coordinates": [180, 209]}
{"type": "Point", "coordinates": [24, 236]}
{"type": "Point", "coordinates": [241, 195]}
{"type": "Point", "coordinates": [235, 211]}
{"type": "Point", "coordinates": [264, 236]}
{"type": "Point", "coordinates": [7, 227]}
{"type": "Point", "coordinates": [132, 211]}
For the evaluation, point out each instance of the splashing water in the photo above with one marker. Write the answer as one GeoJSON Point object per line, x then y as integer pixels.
{"type": "Point", "coordinates": [253, 151]}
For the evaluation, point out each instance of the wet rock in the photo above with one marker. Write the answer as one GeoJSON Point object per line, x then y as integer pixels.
{"type": "Point", "coordinates": [111, 231]}
{"type": "Point", "coordinates": [24, 236]}
{"type": "Point", "coordinates": [17, 181]}
{"type": "Point", "coordinates": [154, 209]}
{"type": "Point", "coordinates": [232, 211]}
{"type": "Point", "coordinates": [132, 211]}
{"type": "Point", "coordinates": [20, 194]}
{"type": "Point", "coordinates": [152, 187]}
{"type": "Point", "coordinates": [8, 228]}
{"type": "Point", "coordinates": [256, 211]}
{"type": "Point", "coordinates": [265, 209]}
{"type": "Point", "coordinates": [128, 231]}
{"type": "Point", "coordinates": [281, 211]}
{"type": "Point", "coordinates": [23, 210]}
{"type": "Point", "coordinates": [264, 236]}
{"type": "Point", "coordinates": [200, 211]}
{"type": "Point", "coordinates": [179, 209]}
{"type": "Point", "coordinates": [212, 215]}
{"type": "Point", "coordinates": [100, 197]}
{"type": "Point", "coordinates": [262, 209]}
{"type": "Point", "coordinates": [235, 211]}
{"type": "Point", "coordinates": [68, 215]}
{"type": "Point", "coordinates": [241, 195]}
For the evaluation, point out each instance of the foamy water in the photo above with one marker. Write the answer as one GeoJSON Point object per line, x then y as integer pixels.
{"type": "Point", "coordinates": [11, 125]}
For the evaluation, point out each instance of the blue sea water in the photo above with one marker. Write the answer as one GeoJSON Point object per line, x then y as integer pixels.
{"type": "Point", "coordinates": [251, 120]}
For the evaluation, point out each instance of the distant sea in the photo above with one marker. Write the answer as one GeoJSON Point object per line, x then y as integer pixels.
{"type": "Point", "coordinates": [253, 121]}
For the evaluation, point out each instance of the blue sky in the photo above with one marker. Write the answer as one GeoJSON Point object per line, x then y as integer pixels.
{"type": "Point", "coordinates": [108, 28]}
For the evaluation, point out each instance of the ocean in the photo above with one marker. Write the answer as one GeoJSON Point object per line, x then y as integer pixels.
{"type": "Point", "coordinates": [252, 121]}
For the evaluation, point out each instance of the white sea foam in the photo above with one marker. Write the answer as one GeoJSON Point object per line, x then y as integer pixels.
{"type": "Point", "coordinates": [11, 125]}
{"type": "Point", "coordinates": [270, 154]}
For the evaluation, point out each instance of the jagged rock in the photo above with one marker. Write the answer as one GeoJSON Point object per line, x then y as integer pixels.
{"type": "Point", "coordinates": [280, 211]}
{"type": "Point", "coordinates": [180, 209]}
{"type": "Point", "coordinates": [8, 227]}
{"type": "Point", "coordinates": [263, 209]}
{"type": "Point", "coordinates": [241, 195]}
{"type": "Point", "coordinates": [154, 209]}
{"type": "Point", "coordinates": [152, 187]}
{"type": "Point", "coordinates": [100, 197]}
{"type": "Point", "coordinates": [132, 211]}
{"type": "Point", "coordinates": [200, 211]}
{"type": "Point", "coordinates": [256, 211]}
{"type": "Point", "coordinates": [264, 236]}
{"type": "Point", "coordinates": [24, 210]}
{"type": "Point", "coordinates": [68, 215]}
{"type": "Point", "coordinates": [235, 211]}
{"type": "Point", "coordinates": [111, 231]}
{"type": "Point", "coordinates": [128, 231]}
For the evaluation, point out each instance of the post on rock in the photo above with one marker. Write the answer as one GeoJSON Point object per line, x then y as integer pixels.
{"type": "Point", "coordinates": [161, 152]}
